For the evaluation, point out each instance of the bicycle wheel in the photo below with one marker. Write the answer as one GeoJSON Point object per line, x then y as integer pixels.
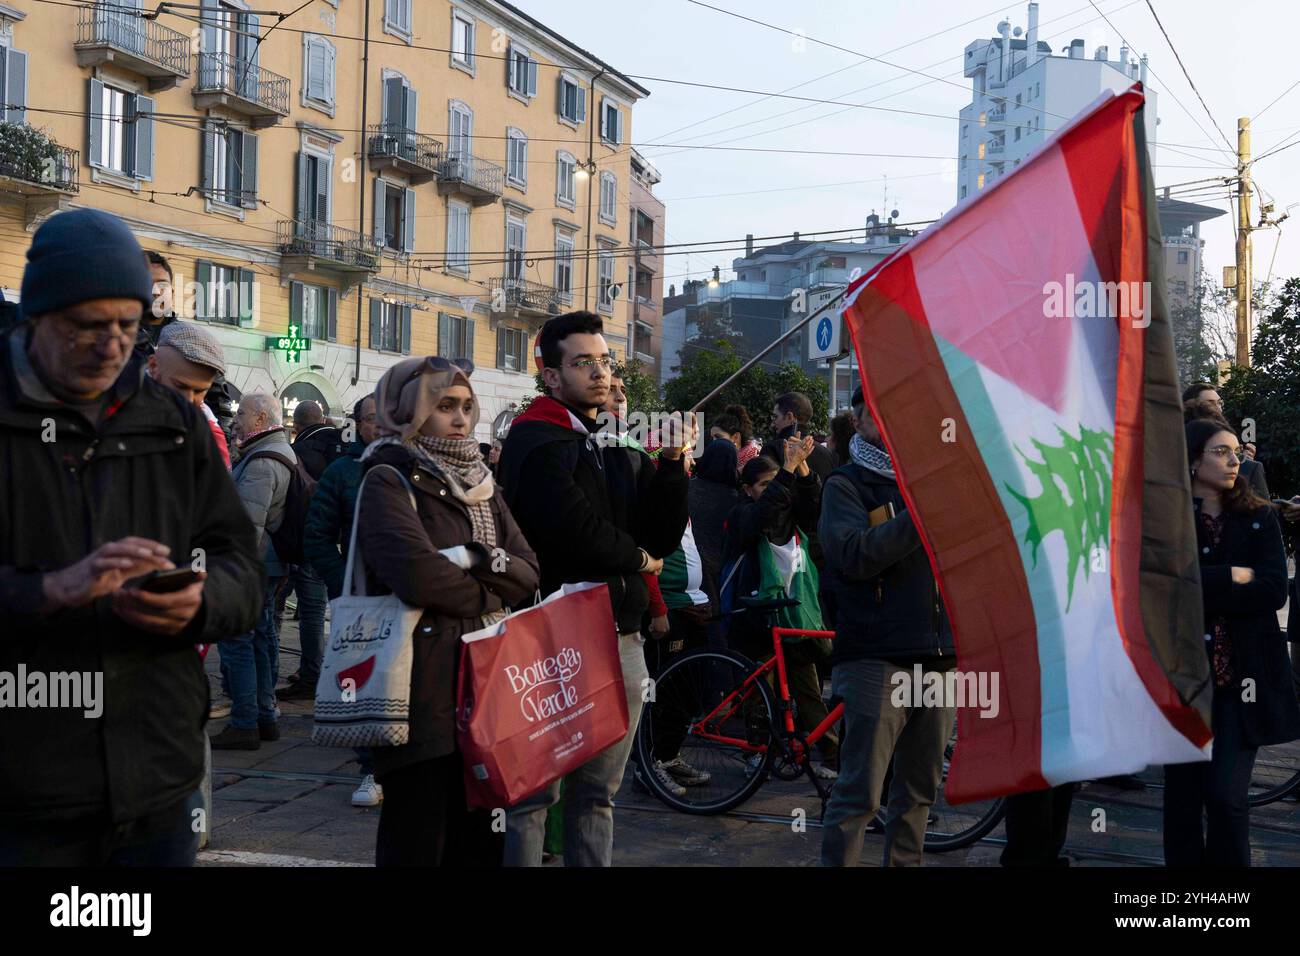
{"type": "Point", "coordinates": [951, 826]}
{"type": "Point", "coordinates": [1276, 773]}
{"type": "Point", "coordinates": [700, 711]}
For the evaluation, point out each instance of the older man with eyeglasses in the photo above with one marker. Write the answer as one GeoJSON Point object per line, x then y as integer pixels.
{"type": "Point", "coordinates": [109, 476]}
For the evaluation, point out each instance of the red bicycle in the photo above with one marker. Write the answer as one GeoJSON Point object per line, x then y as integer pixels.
{"type": "Point", "coordinates": [733, 721]}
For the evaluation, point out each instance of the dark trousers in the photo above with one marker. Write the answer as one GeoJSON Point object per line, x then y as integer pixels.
{"type": "Point", "coordinates": [688, 630]}
{"type": "Point", "coordinates": [424, 820]}
{"type": "Point", "coordinates": [167, 837]}
{"type": "Point", "coordinates": [1218, 790]}
{"type": "Point", "coordinates": [1037, 824]}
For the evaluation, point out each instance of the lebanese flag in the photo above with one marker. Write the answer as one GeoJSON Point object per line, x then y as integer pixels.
{"type": "Point", "coordinates": [1034, 421]}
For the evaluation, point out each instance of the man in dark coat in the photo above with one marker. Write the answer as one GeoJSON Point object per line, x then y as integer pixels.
{"type": "Point", "coordinates": [590, 516]}
{"type": "Point", "coordinates": [317, 444]}
{"type": "Point", "coordinates": [109, 476]}
{"type": "Point", "coordinates": [792, 413]}
{"type": "Point", "coordinates": [889, 620]}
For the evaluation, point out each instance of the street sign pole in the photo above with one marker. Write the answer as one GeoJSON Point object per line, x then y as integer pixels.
{"type": "Point", "coordinates": [834, 369]}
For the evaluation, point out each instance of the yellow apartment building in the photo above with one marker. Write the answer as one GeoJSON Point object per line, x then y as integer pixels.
{"type": "Point", "coordinates": [379, 177]}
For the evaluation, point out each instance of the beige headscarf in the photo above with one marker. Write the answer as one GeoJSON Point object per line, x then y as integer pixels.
{"type": "Point", "coordinates": [409, 392]}
{"type": "Point", "coordinates": [404, 399]}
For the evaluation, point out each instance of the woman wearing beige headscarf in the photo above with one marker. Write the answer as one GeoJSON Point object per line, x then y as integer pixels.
{"type": "Point", "coordinates": [459, 555]}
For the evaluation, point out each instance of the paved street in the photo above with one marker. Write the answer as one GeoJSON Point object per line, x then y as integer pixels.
{"type": "Point", "coordinates": [288, 804]}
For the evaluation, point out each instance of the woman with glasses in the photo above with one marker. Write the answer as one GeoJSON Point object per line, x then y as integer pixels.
{"type": "Point", "coordinates": [1243, 583]}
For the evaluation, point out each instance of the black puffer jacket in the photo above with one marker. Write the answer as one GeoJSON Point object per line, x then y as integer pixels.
{"type": "Point", "coordinates": [587, 510]}
{"type": "Point", "coordinates": [149, 468]}
{"type": "Point", "coordinates": [1259, 650]}
{"type": "Point", "coordinates": [887, 602]}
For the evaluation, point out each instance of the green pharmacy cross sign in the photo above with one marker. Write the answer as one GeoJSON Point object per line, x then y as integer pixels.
{"type": "Point", "coordinates": [291, 345]}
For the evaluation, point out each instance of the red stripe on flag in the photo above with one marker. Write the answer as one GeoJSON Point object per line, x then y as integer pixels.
{"type": "Point", "coordinates": [1108, 187]}
{"type": "Point", "coordinates": [967, 535]}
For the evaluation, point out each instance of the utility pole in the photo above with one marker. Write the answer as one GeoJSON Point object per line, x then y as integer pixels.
{"type": "Point", "coordinates": [1244, 250]}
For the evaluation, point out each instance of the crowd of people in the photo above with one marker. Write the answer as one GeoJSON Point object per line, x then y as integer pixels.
{"type": "Point", "coordinates": [125, 456]}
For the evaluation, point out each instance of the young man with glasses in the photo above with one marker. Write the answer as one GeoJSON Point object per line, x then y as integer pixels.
{"type": "Point", "coordinates": [109, 476]}
{"type": "Point", "coordinates": [590, 515]}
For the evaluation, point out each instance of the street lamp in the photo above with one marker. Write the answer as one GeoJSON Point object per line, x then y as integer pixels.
{"type": "Point", "coordinates": [715, 279]}
{"type": "Point", "coordinates": [584, 169]}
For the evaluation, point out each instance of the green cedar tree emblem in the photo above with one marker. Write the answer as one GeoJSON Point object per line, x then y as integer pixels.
{"type": "Point", "coordinates": [1075, 500]}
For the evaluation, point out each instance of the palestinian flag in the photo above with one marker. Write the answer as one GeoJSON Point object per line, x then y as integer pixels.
{"type": "Point", "coordinates": [1019, 360]}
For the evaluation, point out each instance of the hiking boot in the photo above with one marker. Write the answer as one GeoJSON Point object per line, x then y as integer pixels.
{"type": "Point", "coordinates": [298, 690]}
{"type": "Point", "coordinates": [369, 794]}
{"type": "Point", "coordinates": [232, 738]}
{"type": "Point", "coordinates": [268, 730]}
{"type": "Point", "coordinates": [685, 774]}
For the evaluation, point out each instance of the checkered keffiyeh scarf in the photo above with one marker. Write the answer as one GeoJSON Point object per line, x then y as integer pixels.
{"type": "Point", "coordinates": [460, 463]}
{"type": "Point", "coordinates": [872, 458]}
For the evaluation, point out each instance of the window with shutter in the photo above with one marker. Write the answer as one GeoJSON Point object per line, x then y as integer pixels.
{"type": "Point", "coordinates": [565, 189]}
{"type": "Point", "coordinates": [397, 18]}
{"type": "Point", "coordinates": [608, 198]}
{"type": "Point", "coordinates": [13, 74]}
{"type": "Point", "coordinates": [457, 237]}
{"type": "Point", "coordinates": [517, 157]}
{"type": "Point", "coordinates": [462, 41]}
{"type": "Point", "coordinates": [564, 265]}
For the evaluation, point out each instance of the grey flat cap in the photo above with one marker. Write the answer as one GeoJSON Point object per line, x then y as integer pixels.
{"type": "Point", "coordinates": [195, 343]}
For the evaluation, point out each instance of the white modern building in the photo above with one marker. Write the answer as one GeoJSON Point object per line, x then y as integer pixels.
{"type": "Point", "coordinates": [1022, 92]}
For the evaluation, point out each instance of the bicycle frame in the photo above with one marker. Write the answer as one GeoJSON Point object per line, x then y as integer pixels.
{"type": "Point", "coordinates": [728, 706]}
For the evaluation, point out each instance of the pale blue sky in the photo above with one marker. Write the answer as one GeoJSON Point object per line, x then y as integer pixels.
{"type": "Point", "coordinates": [1240, 56]}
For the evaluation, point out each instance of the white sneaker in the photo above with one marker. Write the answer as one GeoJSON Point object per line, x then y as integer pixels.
{"type": "Point", "coordinates": [685, 774]}
{"type": "Point", "coordinates": [369, 794]}
{"type": "Point", "coordinates": [219, 709]}
{"type": "Point", "coordinates": [666, 780]}
{"type": "Point", "coordinates": [823, 772]}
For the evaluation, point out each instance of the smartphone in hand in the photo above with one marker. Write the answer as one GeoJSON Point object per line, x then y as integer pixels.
{"type": "Point", "coordinates": [164, 582]}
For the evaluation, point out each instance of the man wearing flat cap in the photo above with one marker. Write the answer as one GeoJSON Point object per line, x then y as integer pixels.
{"type": "Point", "coordinates": [109, 476]}
{"type": "Point", "coordinates": [188, 358]}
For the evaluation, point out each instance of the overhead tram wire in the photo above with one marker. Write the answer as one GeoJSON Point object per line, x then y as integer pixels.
{"type": "Point", "coordinates": [866, 60]}
{"type": "Point", "coordinates": [834, 46]}
{"type": "Point", "coordinates": [1182, 66]}
{"type": "Point", "coordinates": [669, 80]}
{"type": "Point", "coordinates": [1230, 151]}
{"type": "Point", "coordinates": [887, 96]}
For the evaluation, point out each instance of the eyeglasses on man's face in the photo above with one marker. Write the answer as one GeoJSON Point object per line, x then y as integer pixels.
{"type": "Point", "coordinates": [87, 334]}
{"type": "Point", "coordinates": [603, 362]}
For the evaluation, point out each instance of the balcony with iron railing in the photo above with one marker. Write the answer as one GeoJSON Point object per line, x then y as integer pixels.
{"type": "Point", "coordinates": [243, 86]}
{"type": "Point", "coordinates": [393, 146]}
{"type": "Point", "coordinates": [113, 34]}
{"type": "Point", "coordinates": [995, 147]}
{"type": "Point", "coordinates": [309, 245]}
{"type": "Point", "coordinates": [523, 297]}
{"type": "Point", "coordinates": [36, 164]}
{"type": "Point", "coordinates": [476, 179]}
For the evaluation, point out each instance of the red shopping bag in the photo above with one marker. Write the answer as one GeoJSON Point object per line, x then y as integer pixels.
{"type": "Point", "coordinates": [539, 694]}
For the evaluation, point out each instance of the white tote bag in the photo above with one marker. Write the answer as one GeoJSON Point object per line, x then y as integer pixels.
{"type": "Point", "coordinates": [363, 697]}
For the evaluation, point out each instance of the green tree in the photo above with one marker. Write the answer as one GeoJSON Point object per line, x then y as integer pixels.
{"type": "Point", "coordinates": [757, 389]}
{"type": "Point", "coordinates": [1267, 394]}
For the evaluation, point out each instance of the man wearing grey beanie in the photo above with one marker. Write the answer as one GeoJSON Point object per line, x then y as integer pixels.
{"type": "Point", "coordinates": [110, 476]}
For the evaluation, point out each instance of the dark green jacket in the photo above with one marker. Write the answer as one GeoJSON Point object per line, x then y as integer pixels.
{"type": "Point", "coordinates": [329, 519]}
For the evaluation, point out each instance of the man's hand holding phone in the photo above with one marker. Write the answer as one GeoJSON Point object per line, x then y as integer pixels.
{"type": "Point", "coordinates": [163, 603]}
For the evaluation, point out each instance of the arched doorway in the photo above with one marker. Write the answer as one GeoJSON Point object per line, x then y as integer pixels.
{"type": "Point", "coordinates": [297, 392]}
